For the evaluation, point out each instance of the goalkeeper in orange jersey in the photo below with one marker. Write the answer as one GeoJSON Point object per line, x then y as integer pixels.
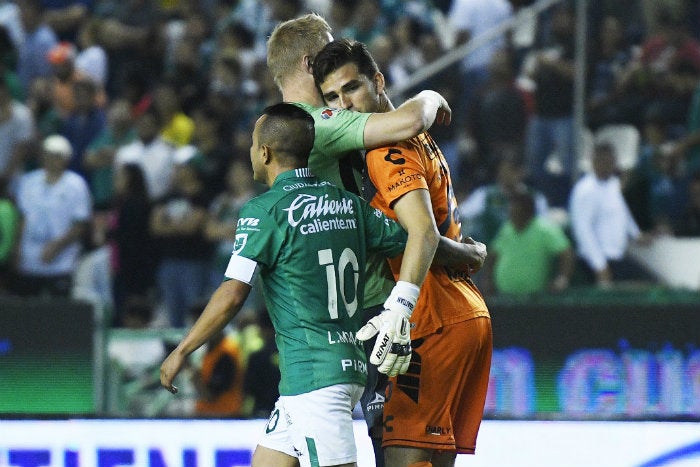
{"type": "Point", "coordinates": [432, 412]}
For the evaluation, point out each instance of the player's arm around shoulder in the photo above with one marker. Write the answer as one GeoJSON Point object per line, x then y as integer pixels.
{"type": "Point", "coordinates": [410, 119]}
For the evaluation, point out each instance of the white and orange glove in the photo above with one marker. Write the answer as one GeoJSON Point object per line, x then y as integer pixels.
{"type": "Point", "coordinates": [392, 350]}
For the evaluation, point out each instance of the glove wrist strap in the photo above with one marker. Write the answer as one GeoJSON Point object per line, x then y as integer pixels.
{"type": "Point", "coordinates": [403, 298]}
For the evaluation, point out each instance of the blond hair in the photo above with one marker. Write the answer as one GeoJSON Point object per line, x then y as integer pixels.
{"type": "Point", "coordinates": [291, 40]}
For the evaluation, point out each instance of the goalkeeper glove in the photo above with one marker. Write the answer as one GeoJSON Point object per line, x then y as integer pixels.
{"type": "Point", "coordinates": [392, 349]}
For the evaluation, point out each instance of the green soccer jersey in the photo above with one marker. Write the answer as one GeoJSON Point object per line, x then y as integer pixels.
{"type": "Point", "coordinates": [309, 241]}
{"type": "Point", "coordinates": [336, 158]}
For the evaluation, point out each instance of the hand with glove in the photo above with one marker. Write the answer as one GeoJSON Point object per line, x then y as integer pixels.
{"type": "Point", "coordinates": [392, 350]}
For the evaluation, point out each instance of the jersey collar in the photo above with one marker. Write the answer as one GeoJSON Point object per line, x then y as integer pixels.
{"type": "Point", "coordinates": [303, 172]}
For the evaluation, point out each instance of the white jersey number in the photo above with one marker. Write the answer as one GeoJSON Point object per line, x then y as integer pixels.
{"type": "Point", "coordinates": [333, 276]}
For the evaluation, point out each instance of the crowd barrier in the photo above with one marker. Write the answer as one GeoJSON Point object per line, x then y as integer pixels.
{"type": "Point", "coordinates": [584, 355]}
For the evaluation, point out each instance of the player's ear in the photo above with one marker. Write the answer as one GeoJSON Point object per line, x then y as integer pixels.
{"type": "Point", "coordinates": [379, 82]}
{"type": "Point", "coordinates": [266, 154]}
{"type": "Point", "coordinates": [308, 64]}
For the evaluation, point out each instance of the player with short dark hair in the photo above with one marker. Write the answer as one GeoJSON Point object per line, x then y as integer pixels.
{"type": "Point", "coordinates": [308, 241]}
{"type": "Point", "coordinates": [433, 412]}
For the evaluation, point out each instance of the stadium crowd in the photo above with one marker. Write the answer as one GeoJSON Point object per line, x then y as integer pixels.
{"type": "Point", "coordinates": [125, 129]}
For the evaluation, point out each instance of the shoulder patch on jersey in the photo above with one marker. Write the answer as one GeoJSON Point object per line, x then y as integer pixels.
{"type": "Point", "coordinates": [327, 113]}
{"type": "Point", "coordinates": [239, 243]}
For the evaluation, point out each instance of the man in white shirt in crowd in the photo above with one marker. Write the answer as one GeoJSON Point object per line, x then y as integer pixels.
{"type": "Point", "coordinates": [602, 224]}
{"type": "Point", "coordinates": [56, 208]}
{"type": "Point", "coordinates": [152, 153]}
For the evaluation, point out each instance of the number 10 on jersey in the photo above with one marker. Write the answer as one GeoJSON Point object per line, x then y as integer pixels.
{"type": "Point", "coordinates": [336, 276]}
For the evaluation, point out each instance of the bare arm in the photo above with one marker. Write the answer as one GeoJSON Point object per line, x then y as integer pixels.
{"type": "Point", "coordinates": [413, 117]}
{"type": "Point", "coordinates": [224, 304]}
{"type": "Point", "coordinates": [416, 216]}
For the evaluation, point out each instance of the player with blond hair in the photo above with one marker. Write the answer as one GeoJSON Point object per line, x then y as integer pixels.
{"type": "Point", "coordinates": [341, 136]}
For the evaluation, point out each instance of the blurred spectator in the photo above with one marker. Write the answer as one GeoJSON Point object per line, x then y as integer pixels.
{"type": "Point", "coordinates": [10, 20]}
{"type": "Point", "coordinates": [551, 127]}
{"type": "Point", "coordinates": [39, 39]}
{"type": "Point", "coordinates": [656, 189]}
{"type": "Point", "coordinates": [213, 151]}
{"type": "Point", "coordinates": [469, 19]}
{"type": "Point", "coordinates": [220, 377]}
{"type": "Point", "coordinates": [64, 76]}
{"type": "Point", "coordinates": [602, 224]}
{"type": "Point", "coordinates": [369, 21]}
{"type": "Point", "coordinates": [56, 207]}
{"type": "Point", "coordinates": [666, 72]}
{"type": "Point", "coordinates": [486, 209]}
{"type": "Point", "coordinates": [131, 35]}
{"type": "Point", "coordinates": [687, 146]}
{"type": "Point", "coordinates": [66, 16]}
{"type": "Point", "coordinates": [9, 230]}
{"type": "Point", "coordinates": [8, 65]}
{"type": "Point", "coordinates": [262, 375]}
{"type": "Point", "coordinates": [177, 224]}
{"type": "Point", "coordinates": [92, 60]}
{"type": "Point", "coordinates": [260, 91]}
{"type": "Point", "coordinates": [188, 65]}
{"type": "Point", "coordinates": [16, 130]}
{"type": "Point", "coordinates": [98, 162]}
{"type": "Point", "coordinates": [84, 123]}
{"type": "Point", "coordinates": [406, 57]}
{"type": "Point", "coordinates": [40, 102]}
{"type": "Point", "coordinates": [92, 278]}
{"type": "Point", "coordinates": [382, 49]}
{"type": "Point", "coordinates": [522, 257]}
{"type": "Point", "coordinates": [690, 222]}
{"type": "Point", "coordinates": [136, 90]}
{"type": "Point", "coordinates": [223, 214]}
{"type": "Point", "coordinates": [224, 94]}
{"type": "Point", "coordinates": [176, 126]}
{"type": "Point", "coordinates": [610, 56]}
{"type": "Point", "coordinates": [151, 153]}
{"type": "Point", "coordinates": [447, 136]}
{"type": "Point", "coordinates": [341, 17]}
{"type": "Point", "coordinates": [498, 119]}
{"type": "Point", "coordinates": [134, 253]}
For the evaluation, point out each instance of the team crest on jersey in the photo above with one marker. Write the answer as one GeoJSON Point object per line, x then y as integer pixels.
{"type": "Point", "coordinates": [326, 113]}
{"type": "Point", "coordinates": [239, 243]}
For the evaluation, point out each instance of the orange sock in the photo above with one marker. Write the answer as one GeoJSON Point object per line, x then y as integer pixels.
{"type": "Point", "coordinates": [421, 464]}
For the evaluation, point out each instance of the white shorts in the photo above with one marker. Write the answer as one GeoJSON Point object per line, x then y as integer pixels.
{"type": "Point", "coordinates": [315, 426]}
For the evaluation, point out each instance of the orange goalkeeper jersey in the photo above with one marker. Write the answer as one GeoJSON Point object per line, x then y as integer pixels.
{"type": "Point", "coordinates": [447, 296]}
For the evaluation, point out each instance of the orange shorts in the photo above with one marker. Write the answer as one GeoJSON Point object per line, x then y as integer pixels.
{"type": "Point", "coordinates": [439, 403]}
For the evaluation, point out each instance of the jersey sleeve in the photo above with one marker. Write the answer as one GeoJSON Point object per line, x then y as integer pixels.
{"type": "Point", "coordinates": [394, 171]}
{"type": "Point", "coordinates": [384, 236]}
{"type": "Point", "coordinates": [257, 243]}
{"type": "Point", "coordinates": [338, 131]}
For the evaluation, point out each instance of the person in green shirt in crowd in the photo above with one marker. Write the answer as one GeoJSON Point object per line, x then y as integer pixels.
{"type": "Point", "coordinates": [9, 229]}
{"type": "Point", "coordinates": [527, 250]}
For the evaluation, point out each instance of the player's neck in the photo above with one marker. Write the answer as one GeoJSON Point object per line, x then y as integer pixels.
{"type": "Point", "coordinates": [300, 89]}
